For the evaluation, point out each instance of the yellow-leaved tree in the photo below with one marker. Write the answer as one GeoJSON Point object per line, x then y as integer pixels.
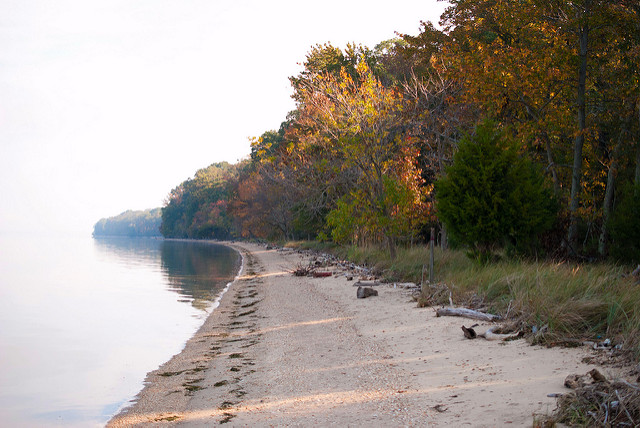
{"type": "Point", "coordinates": [359, 127]}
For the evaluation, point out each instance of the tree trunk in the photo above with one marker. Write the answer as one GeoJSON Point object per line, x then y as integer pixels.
{"type": "Point", "coordinates": [552, 165]}
{"type": "Point", "coordinates": [608, 199]}
{"type": "Point", "coordinates": [444, 240]}
{"type": "Point", "coordinates": [391, 242]}
{"type": "Point", "coordinates": [637, 177]}
{"type": "Point", "coordinates": [579, 143]}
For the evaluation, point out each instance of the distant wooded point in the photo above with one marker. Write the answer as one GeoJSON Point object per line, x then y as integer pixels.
{"type": "Point", "coordinates": [130, 223]}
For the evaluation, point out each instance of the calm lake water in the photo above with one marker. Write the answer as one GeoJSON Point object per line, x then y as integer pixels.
{"type": "Point", "coordinates": [82, 321]}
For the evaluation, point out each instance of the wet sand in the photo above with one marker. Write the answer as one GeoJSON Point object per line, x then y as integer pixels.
{"type": "Point", "coordinates": [282, 350]}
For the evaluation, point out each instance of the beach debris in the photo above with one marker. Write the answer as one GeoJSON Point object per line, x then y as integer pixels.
{"type": "Point", "coordinates": [466, 313]}
{"type": "Point", "coordinates": [362, 283]}
{"type": "Point", "coordinates": [574, 381]}
{"type": "Point", "coordinates": [321, 274]}
{"type": "Point", "coordinates": [310, 270]}
{"type": "Point", "coordinates": [433, 295]}
{"type": "Point", "coordinates": [469, 332]}
{"type": "Point", "coordinates": [364, 292]}
{"type": "Point", "coordinates": [441, 408]}
{"type": "Point", "coordinates": [323, 260]}
{"type": "Point", "coordinates": [406, 285]}
{"type": "Point", "coordinates": [301, 270]}
{"type": "Point", "coordinates": [597, 376]}
{"type": "Point", "coordinates": [605, 345]}
{"type": "Point", "coordinates": [338, 267]}
{"type": "Point", "coordinates": [493, 333]}
{"type": "Point", "coordinates": [597, 401]}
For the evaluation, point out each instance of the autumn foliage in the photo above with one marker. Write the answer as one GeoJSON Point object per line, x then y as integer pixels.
{"type": "Point", "coordinates": [374, 129]}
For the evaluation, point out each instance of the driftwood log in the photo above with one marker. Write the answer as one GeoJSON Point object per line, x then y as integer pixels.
{"type": "Point", "coordinates": [322, 274]}
{"type": "Point", "coordinates": [490, 335]}
{"type": "Point", "coordinates": [366, 283]}
{"type": "Point", "coordinates": [470, 333]}
{"type": "Point", "coordinates": [466, 313]}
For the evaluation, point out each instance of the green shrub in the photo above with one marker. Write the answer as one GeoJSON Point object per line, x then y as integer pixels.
{"type": "Point", "coordinates": [491, 197]}
{"type": "Point", "coordinates": [343, 221]}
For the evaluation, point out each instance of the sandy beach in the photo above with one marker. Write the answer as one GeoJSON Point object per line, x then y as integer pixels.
{"type": "Point", "coordinates": [282, 350]}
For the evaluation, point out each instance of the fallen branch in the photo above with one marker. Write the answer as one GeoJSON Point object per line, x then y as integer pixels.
{"type": "Point", "coordinates": [490, 335]}
{"type": "Point", "coordinates": [366, 283]}
{"type": "Point", "coordinates": [321, 274]}
{"type": "Point", "coordinates": [466, 313]}
{"type": "Point", "coordinates": [302, 270]}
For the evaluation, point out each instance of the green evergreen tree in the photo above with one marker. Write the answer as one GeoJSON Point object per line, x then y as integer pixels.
{"type": "Point", "coordinates": [625, 227]}
{"type": "Point", "coordinates": [492, 198]}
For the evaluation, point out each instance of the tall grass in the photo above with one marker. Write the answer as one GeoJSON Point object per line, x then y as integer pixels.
{"type": "Point", "coordinates": [566, 300]}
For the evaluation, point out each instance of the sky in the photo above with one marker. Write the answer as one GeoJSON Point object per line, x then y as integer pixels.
{"type": "Point", "coordinates": [106, 105]}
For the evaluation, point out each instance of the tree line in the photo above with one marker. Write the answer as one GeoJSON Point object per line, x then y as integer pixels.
{"type": "Point", "coordinates": [130, 223]}
{"type": "Point", "coordinates": [386, 143]}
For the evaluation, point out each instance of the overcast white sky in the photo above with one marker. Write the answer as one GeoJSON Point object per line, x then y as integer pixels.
{"type": "Point", "coordinates": [106, 105]}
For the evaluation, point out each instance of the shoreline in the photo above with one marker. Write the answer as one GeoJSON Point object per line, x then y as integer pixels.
{"type": "Point", "coordinates": [285, 350]}
{"type": "Point", "coordinates": [216, 302]}
{"type": "Point", "coordinates": [180, 363]}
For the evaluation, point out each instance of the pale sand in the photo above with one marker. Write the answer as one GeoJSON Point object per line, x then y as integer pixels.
{"type": "Point", "coordinates": [282, 350]}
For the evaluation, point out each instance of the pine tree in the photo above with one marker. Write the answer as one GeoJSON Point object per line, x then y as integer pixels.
{"type": "Point", "coordinates": [491, 197]}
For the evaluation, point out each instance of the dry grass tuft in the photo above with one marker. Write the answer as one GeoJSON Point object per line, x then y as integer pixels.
{"type": "Point", "coordinates": [562, 302]}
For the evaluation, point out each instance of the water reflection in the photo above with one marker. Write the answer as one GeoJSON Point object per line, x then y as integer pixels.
{"type": "Point", "coordinates": [129, 251]}
{"type": "Point", "coordinates": [196, 270]}
{"type": "Point", "coordinates": [189, 268]}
